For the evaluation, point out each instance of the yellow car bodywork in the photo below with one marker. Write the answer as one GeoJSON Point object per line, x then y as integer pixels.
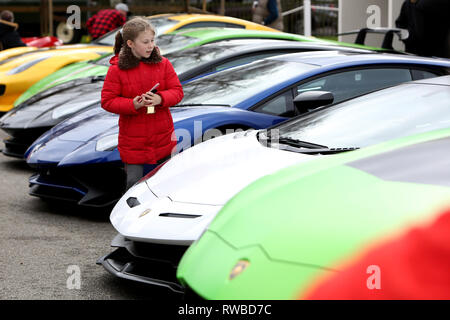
{"type": "Point", "coordinates": [9, 53]}
{"type": "Point", "coordinates": [18, 74]}
{"type": "Point", "coordinates": [13, 85]}
{"type": "Point", "coordinates": [186, 19]}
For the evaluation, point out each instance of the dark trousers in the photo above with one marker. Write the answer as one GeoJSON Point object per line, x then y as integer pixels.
{"type": "Point", "coordinates": [136, 171]}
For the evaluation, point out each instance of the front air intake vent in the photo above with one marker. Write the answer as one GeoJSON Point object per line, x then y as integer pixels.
{"type": "Point", "coordinates": [179, 215]}
{"type": "Point", "coordinates": [133, 202]}
{"type": "Point", "coordinates": [2, 89]}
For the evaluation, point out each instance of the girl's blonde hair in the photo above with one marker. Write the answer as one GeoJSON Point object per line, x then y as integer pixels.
{"type": "Point", "coordinates": [131, 31]}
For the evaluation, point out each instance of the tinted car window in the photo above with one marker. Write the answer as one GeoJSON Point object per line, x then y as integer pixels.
{"type": "Point", "coordinates": [161, 25]}
{"type": "Point", "coordinates": [382, 115]}
{"type": "Point", "coordinates": [352, 83]}
{"type": "Point", "coordinates": [103, 61]}
{"type": "Point", "coordinates": [279, 106]}
{"type": "Point", "coordinates": [172, 42]}
{"type": "Point", "coordinates": [190, 58]}
{"type": "Point", "coordinates": [233, 86]}
{"type": "Point", "coordinates": [208, 24]}
{"type": "Point", "coordinates": [245, 60]}
{"type": "Point", "coordinates": [422, 74]}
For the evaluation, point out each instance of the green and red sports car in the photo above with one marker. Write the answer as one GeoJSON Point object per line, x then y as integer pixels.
{"type": "Point", "coordinates": [282, 232]}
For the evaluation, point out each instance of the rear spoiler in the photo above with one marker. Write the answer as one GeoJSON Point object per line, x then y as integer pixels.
{"type": "Point", "coordinates": [388, 38]}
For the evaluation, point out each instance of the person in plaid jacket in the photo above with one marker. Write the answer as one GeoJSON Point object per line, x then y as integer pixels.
{"type": "Point", "coordinates": [107, 20]}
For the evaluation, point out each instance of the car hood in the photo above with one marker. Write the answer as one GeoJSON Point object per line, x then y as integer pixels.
{"type": "Point", "coordinates": [80, 133]}
{"type": "Point", "coordinates": [63, 137]}
{"type": "Point", "coordinates": [306, 219]}
{"type": "Point", "coordinates": [211, 172]}
{"type": "Point", "coordinates": [177, 203]}
{"type": "Point", "coordinates": [76, 71]}
{"type": "Point", "coordinates": [51, 108]}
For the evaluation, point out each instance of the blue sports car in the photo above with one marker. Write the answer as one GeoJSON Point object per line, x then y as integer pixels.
{"type": "Point", "coordinates": [78, 159]}
{"type": "Point", "coordinates": [31, 118]}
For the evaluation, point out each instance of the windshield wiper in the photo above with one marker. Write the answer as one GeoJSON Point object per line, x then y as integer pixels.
{"type": "Point", "coordinates": [301, 146]}
{"type": "Point", "coordinates": [327, 150]}
{"type": "Point", "coordinates": [201, 105]}
{"type": "Point", "coordinates": [298, 143]}
{"type": "Point", "coordinates": [271, 139]}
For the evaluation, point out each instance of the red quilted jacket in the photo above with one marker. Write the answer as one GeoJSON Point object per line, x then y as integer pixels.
{"type": "Point", "coordinates": [143, 138]}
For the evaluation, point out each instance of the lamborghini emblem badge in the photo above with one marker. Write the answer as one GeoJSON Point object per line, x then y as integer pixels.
{"type": "Point", "coordinates": [146, 211]}
{"type": "Point", "coordinates": [238, 268]}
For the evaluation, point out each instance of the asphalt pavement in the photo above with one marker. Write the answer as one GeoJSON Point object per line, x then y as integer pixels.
{"type": "Point", "coordinates": [49, 250]}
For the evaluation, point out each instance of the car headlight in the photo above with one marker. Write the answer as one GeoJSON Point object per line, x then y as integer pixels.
{"type": "Point", "coordinates": [25, 66]}
{"type": "Point", "coordinates": [35, 149]}
{"type": "Point", "coordinates": [71, 108]}
{"type": "Point", "coordinates": [107, 143]}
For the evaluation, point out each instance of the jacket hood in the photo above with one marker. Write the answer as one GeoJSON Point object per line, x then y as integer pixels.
{"type": "Point", "coordinates": [127, 60]}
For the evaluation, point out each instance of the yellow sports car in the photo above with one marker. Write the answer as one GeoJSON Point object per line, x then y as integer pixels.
{"type": "Point", "coordinates": [165, 23]}
{"type": "Point", "coordinates": [22, 67]}
{"type": "Point", "coordinates": [185, 21]}
{"type": "Point", "coordinates": [18, 74]}
{"type": "Point", "coordinates": [8, 53]}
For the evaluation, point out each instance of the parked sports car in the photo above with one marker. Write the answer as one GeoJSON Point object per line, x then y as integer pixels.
{"type": "Point", "coordinates": [170, 22]}
{"type": "Point", "coordinates": [38, 64]}
{"type": "Point", "coordinates": [211, 173]}
{"type": "Point", "coordinates": [74, 156]}
{"type": "Point", "coordinates": [292, 226]}
{"type": "Point", "coordinates": [74, 71]}
{"type": "Point", "coordinates": [168, 43]}
{"type": "Point", "coordinates": [163, 23]}
{"type": "Point", "coordinates": [20, 73]}
{"type": "Point", "coordinates": [174, 41]}
{"type": "Point", "coordinates": [26, 122]}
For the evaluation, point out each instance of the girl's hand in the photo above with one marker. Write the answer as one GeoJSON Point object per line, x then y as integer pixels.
{"type": "Point", "coordinates": [151, 99]}
{"type": "Point", "coordinates": [139, 102]}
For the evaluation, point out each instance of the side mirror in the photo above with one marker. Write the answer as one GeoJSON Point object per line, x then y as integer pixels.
{"type": "Point", "coordinates": [309, 100]}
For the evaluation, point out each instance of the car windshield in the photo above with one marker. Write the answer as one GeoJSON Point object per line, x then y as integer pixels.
{"type": "Point", "coordinates": [173, 42]}
{"type": "Point", "coordinates": [380, 116]}
{"type": "Point", "coordinates": [161, 25]}
{"type": "Point", "coordinates": [190, 58]}
{"type": "Point", "coordinates": [233, 86]}
{"type": "Point", "coordinates": [103, 61]}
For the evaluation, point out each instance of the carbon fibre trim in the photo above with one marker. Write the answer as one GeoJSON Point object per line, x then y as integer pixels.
{"type": "Point", "coordinates": [149, 263]}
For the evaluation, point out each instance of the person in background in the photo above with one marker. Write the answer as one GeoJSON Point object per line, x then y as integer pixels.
{"type": "Point", "coordinates": [9, 37]}
{"type": "Point", "coordinates": [268, 13]}
{"type": "Point", "coordinates": [428, 24]}
{"type": "Point", "coordinates": [146, 130]}
{"type": "Point", "coordinates": [436, 22]}
{"type": "Point", "coordinates": [412, 266]}
{"type": "Point", "coordinates": [107, 20]}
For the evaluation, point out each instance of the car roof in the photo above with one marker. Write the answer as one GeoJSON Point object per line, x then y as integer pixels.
{"type": "Point", "coordinates": [209, 32]}
{"type": "Point", "coordinates": [328, 58]}
{"type": "Point", "coordinates": [250, 45]}
{"type": "Point", "coordinates": [187, 16]}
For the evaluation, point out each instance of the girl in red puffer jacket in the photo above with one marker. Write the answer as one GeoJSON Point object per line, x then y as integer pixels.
{"type": "Point", "coordinates": [146, 131]}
